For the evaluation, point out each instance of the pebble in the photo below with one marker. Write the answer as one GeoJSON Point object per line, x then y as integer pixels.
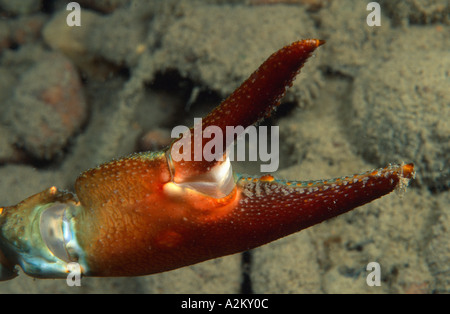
{"type": "Point", "coordinates": [47, 106]}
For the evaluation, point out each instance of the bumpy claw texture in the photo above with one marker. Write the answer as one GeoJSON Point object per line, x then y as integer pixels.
{"type": "Point", "coordinates": [134, 216]}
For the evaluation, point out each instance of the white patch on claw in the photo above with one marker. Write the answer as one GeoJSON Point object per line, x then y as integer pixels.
{"type": "Point", "coordinates": [218, 182]}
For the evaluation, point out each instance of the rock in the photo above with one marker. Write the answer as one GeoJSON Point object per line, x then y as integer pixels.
{"type": "Point", "coordinates": [126, 43]}
{"type": "Point", "coordinates": [93, 47]}
{"type": "Point", "coordinates": [20, 31]}
{"type": "Point", "coordinates": [72, 42]}
{"type": "Point", "coordinates": [47, 106]}
{"type": "Point", "coordinates": [9, 153]}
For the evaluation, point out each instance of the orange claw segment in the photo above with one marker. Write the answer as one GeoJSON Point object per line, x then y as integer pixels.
{"type": "Point", "coordinates": [255, 99]}
{"type": "Point", "coordinates": [132, 225]}
{"type": "Point", "coordinates": [274, 209]}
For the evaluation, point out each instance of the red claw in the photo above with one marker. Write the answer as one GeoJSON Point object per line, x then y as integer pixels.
{"type": "Point", "coordinates": [135, 218]}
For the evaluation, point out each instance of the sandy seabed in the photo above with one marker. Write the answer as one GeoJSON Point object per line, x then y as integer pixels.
{"type": "Point", "coordinates": [72, 98]}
